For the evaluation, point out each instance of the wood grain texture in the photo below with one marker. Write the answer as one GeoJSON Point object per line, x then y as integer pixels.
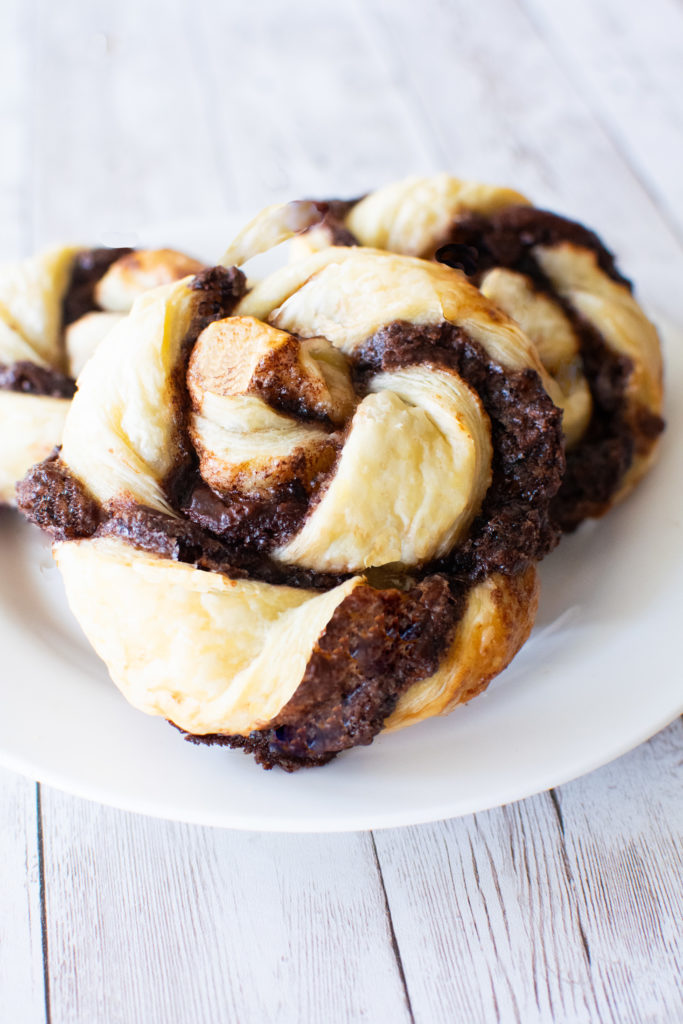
{"type": "Point", "coordinates": [624, 850]}
{"type": "Point", "coordinates": [290, 94]}
{"type": "Point", "coordinates": [564, 907]}
{"type": "Point", "coordinates": [608, 49]}
{"type": "Point", "coordinates": [149, 921]}
{"type": "Point", "coordinates": [502, 109]}
{"type": "Point", "coordinates": [22, 996]}
{"type": "Point", "coordinates": [22, 991]}
{"type": "Point", "coordinates": [125, 140]}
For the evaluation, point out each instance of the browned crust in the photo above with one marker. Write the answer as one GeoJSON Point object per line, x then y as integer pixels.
{"type": "Point", "coordinates": [377, 643]}
{"type": "Point", "coordinates": [380, 643]}
{"type": "Point", "coordinates": [497, 620]}
{"type": "Point", "coordinates": [388, 660]}
{"type": "Point", "coordinates": [618, 445]}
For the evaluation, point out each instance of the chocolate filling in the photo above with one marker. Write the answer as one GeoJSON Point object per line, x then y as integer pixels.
{"type": "Point", "coordinates": [277, 382]}
{"type": "Point", "coordinates": [89, 268]}
{"type": "Point", "coordinates": [56, 501]}
{"type": "Point", "coordinates": [259, 523]}
{"type": "Point", "coordinates": [513, 527]}
{"type": "Point", "coordinates": [375, 646]}
{"type": "Point", "coordinates": [597, 464]}
{"type": "Point", "coordinates": [382, 638]}
{"type": "Point", "coordinates": [333, 217]}
{"type": "Point", "coordinates": [30, 379]}
{"type": "Point", "coordinates": [219, 290]}
{"type": "Point", "coordinates": [506, 239]}
{"type": "Point", "coordinates": [183, 541]}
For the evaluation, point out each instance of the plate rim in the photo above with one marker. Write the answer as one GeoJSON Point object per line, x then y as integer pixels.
{"type": "Point", "coordinates": [365, 820]}
{"type": "Point", "coordinates": [284, 826]}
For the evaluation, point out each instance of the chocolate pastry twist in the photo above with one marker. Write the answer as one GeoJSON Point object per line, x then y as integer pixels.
{"type": "Point", "coordinates": [54, 310]}
{"type": "Point", "coordinates": [291, 517]}
{"type": "Point", "coordinates": [561, 284]}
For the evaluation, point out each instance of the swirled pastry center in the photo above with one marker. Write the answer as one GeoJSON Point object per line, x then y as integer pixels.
{"type": "Point", "coordinates": [377, 491]}
{"type": "Point", "coordinates": [420, 434]}
{"type": "Point", "coordinates": [349, 520]}
{"type": "Point", "coordinates": [320, 460]}
{"type": "Point", "coordinates": [561, 284]}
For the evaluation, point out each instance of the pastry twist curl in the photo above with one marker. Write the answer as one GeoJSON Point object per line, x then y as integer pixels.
{"type": "Point", "coordinates": [290, 517]}
{"type": "Point", "coordinates": [560, 283]}
{"type": "Point", "coordinates": [54, 310]}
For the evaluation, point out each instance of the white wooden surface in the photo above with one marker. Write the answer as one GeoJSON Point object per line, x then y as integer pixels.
{"type": "Point", "coordinates": [566, 907]}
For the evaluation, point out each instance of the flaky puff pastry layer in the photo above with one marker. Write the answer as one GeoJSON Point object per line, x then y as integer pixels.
{"type": "Point", "coordinates": [122, 432]}
{"type": "Point", "coordinates": [30, 426]}
{"type": "Point", "coordinates": [211, 654]}
{"type": "Point", "coordinates": [422, 432]}
{"type": "Point", "coordinates": [31, 293]}
{"type": "Point", "coordinates": [498, 618]}
{"type": "Point", "coordinates": [215, 655]}
{"type": "Point", "coordinates": [612, 310]}
{"type": "Point", "coordinates": [31, 331]}
{"type": "Point", "coordinates": [414, 217]}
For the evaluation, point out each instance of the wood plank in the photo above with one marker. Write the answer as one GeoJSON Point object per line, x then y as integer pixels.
{"type": "Point", "coordinates": [153, 921]}
{"type": "Point", "coordinates": [185, 113]}
{"type": "Point", "coordinates": [309, 106]}
{"type": "Point", "coordinates": [22, 994]}
{"type": "Point", "coordinates": [484, 918]}
{"type": "Point", "coordinates": [501, 108]}
{"type": "Point", "coordinates": [125, 139]}
{"type": "Point", "coordinates": [623, 836]}
{"type": "Point", "coordinates": [626, 57]}
{"type": "Point", "coordinates": [181, 111]}
{"type": "Point", "coordinates": [15, 96]}
{"type": "Point", "coordinates": [522, 914]}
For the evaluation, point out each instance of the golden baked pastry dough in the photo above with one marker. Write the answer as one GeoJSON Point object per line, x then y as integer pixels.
{"type": "Point", "coordinates": [31, 294]}
{"type": "Point", "coordinates": [557, 280]}
{"type": "Point", "coordinates": [215, 655]}
{"type": "Point", "coordinates": [55, 308]}
{"type": "Point", "coordinates": [292, 516]}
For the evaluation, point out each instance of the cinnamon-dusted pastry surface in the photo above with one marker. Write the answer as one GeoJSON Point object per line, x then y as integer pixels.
{"type": "Point", "coordinates": [290, 517]}
{"type": "Point", "coordinates": [55, 308]}
{"type": "Point", "coordinates": [560, 283]}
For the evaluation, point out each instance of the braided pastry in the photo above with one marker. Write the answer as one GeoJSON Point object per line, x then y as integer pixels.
{"type": "Point", "coordinates": [54, 310]}
{"type": "Point", "coordinates": [560, 283]}
{"type": "Point", "coordinates": [291, 517]}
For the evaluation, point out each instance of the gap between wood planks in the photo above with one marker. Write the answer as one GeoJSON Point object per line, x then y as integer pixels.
{"type": "Point", "coordinates": [417, 106]}
{"type": "Point", "coordinates": [392, 932]}
{"type": "Point", "coordinates": [551, 919]}
{"type": "Point", "coordinates": [43, 906]}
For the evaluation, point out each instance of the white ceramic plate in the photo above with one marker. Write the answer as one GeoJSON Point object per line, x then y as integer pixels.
{"type": "Point", "coordinates": [600, 674]}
